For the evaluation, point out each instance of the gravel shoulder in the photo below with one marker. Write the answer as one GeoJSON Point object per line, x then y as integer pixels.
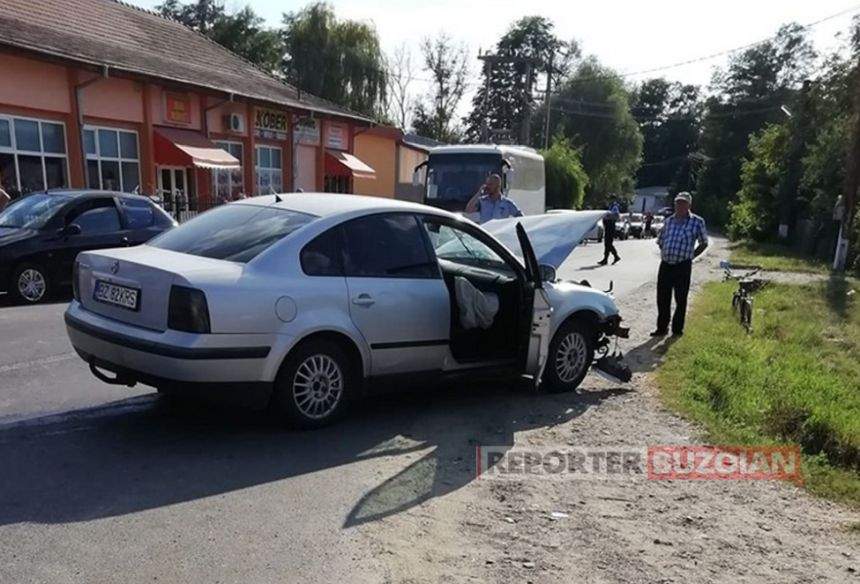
{"type": "Point", "coordinates": [437, 523]}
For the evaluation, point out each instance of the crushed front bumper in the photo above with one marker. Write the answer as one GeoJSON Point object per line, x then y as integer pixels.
{"type": "Point", "coordinates": [612, 365]}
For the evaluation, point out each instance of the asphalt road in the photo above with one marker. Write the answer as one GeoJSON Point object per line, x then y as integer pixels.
{"type": "Point", "coordinates": [106, 484]}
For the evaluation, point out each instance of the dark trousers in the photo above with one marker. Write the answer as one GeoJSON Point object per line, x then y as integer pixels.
{"type": "Point", "coordinates": [673, 278]}
{"type": "Point", "coordinates": [609, 240]}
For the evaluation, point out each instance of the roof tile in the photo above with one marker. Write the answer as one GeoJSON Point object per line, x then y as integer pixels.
{"type": "Point", "coordinates": [124, 37]}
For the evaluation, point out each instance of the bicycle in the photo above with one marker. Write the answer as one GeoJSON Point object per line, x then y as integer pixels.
{"type": "Point", "coordinates": [742, 299]}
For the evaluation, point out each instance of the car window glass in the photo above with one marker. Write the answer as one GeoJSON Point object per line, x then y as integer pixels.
{"type": "Point", "coordinates": [323, 255]}
{"type": "Point", "coordinates": [386, 246]}
{"type": "Point", "coordinates": [32, 211]}
{"type": "Point", "coordinates": [234, 232]}
{"type": "Point", "coordinates": [98, 220]}
{"type": "Point", "coordinates": [451, 243]}
{"type": "Point", "coordinates": [139, 214]}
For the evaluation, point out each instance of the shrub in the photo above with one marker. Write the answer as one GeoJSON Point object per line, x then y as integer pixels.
{"type": "Point", "coordinates": [565, 176]}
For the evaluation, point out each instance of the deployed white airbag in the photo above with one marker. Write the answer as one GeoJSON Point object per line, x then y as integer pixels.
{"type": "Point", "coordinates": [477, 309]}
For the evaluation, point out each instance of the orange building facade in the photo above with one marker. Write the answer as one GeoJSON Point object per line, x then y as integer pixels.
{"type": "Point", "coordinates": [66, 126]}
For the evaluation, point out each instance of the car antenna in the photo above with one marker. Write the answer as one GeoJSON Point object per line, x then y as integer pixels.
{"type": "Point", "coordinates": [278, 198]}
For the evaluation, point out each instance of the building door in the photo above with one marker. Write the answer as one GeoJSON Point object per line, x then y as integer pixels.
{"type": "Point", "coordinates": [173, 190]}
{"type": "Point", "coordinates": [306, 168]}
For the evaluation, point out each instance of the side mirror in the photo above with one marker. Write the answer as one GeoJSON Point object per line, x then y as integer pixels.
{"type": "Point", "coordinates": [509, 177]}
{"type": "Point", "coordinates": [547, 273]}
{"type": "Point", "coordinates": [70, 229]}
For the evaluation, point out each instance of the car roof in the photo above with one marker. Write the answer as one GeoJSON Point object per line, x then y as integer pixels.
{"type": "Point", "coordinates": [328, 204]}
{"type": "Point", "coordinates": [89, 193]}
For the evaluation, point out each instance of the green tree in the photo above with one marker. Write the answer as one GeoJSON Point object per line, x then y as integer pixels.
{"type": "Point", "coordinates": [242, 32]}
{"type": "Point", "coordinates": [448, 68]}
{"type": "Point", "coordinates": [747, 96]}
{"type": "Point", "coordinates": [565, 177]}
{"type": "Point", "coordinates": [501, 100]}
{"type": "Point", "coordinates": [669, 118]}
{"type": "Point", "coordinates": [339, 60]}
{"type": "Point", "coordinates": [754, 214]}
{"type": "Point", "coordinates": [201, 15]}
{"type": "Point", "coordinates": [592, 110]}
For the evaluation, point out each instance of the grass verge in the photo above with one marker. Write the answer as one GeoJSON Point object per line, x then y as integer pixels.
{"type": "Point", "coordinates": [772, 256]}
{"type": "Point", "coordinates": [794, 380]}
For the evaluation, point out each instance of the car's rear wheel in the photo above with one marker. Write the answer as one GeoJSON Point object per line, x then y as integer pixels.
{"type": "Point", "coordinates": [315, 384]}
{"type": "Point", "coordinates": [571, 353]}
{"type": "Point", "coordinates": [30, 284]}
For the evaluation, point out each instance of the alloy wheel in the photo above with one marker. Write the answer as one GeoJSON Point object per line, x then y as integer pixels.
{"type": "Point", "coordinates": [571, 357]}
{"type": "Point", "coordinates": [318, 386]}
{"type": "Point", "coordinates": [31, 285]}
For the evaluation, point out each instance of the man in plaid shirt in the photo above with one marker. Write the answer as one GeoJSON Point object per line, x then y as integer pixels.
{"type": "Point", "coordinates": [682, 239]}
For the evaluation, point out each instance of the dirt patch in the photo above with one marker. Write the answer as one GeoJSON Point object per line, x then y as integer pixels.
{"type": "Point", "coordinates": [633, 530]}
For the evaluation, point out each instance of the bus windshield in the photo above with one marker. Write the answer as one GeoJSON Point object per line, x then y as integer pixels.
{"type": "Point", "coordinates": [454, 178]}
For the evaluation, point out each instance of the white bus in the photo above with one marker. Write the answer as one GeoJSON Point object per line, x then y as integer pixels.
{"type": "Point", "coordinates": [453, 174]}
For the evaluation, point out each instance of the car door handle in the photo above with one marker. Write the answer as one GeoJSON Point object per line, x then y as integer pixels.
{"type": "Point", "coordinates": [363, 300]}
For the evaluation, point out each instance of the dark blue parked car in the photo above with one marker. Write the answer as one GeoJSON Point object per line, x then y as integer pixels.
{"type": "Point", "coordinates": [41, 233]}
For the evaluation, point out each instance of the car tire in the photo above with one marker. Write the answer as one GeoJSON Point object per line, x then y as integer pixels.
{"type": "Point", "coordinates": [571, 353]}
{"type": "Point", "coordinates": [315, 385]}
{"type": "Point", "coordinates": [30, 284]}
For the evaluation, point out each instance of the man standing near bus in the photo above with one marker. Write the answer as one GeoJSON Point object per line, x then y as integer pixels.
{"type": "Point", "coordinates": [490, 203]}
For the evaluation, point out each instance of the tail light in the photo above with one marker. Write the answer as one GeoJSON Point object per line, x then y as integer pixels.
{"type": "Point", "coordinates": [188, 310]}
{"type": "Point", "coordinates": [76, 274]}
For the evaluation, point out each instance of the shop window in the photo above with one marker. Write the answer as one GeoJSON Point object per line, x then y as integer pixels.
{"type": "Point", "coordinates": [336, 183]}
{"type": "Point", "coordinates": [270, 177]}
{"type": "Point", "coordinates": [228, 184]}
{"type": "Point", "coordinates": [112, 159]}
{"type": "Point", "coordinates": [32, 155]}
{"type": "Point", "coordinates": [5, 134]}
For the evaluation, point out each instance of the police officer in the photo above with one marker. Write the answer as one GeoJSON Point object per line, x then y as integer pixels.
{"type": "Point", "coordinates": [490, 203]}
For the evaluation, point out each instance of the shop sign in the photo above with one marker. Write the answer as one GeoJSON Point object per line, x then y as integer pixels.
{"type": "Point", "coordinates": [271, 124]}
{"type": "Point", "coordinates": [177, 108]}
{"type": "Point", "coordinates": [335, 137]}
{"type": "Point", "coordinates": [306, 131]}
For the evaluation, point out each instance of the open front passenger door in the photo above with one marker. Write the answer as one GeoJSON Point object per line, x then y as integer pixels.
{"type": "Point", "coordinates": [534, 344]}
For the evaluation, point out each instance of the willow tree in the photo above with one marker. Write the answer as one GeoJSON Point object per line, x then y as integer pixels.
{"type": "Point", "coordinates": [339, 60]}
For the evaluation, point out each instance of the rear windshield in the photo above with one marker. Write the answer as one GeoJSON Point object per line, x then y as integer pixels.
{"type": "Point", "coordinates": [237, 233]}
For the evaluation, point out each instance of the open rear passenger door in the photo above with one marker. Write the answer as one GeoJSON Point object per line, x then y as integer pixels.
{"type": "Point", "coordinates": [534, 345]}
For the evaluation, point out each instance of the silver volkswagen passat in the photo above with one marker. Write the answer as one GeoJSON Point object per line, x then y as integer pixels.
{"type": "Point", "coordinates": [299, 300]}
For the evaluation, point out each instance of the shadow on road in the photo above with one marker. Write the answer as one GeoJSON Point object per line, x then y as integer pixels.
{"type": "Point", "coordinates": [647, 357]}
{"type": "Point", "coordinates": [68, 471]}
{"type": "Point", "coordinates": [60, 297]}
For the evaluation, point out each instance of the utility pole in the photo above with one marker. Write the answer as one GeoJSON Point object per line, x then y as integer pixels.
{"type": "Point", "coordinates": [489, 62]}
{"type": "Point", "coordinates": [788, 187]}
{"type": "Point", "coordinates": [548, 102]}
{"type": "Point", "coordinates": [488, 69]}
{"type": "Point", "coordinates": [526, 127]}
{"type": "Point", "coordinates": [852, 182]}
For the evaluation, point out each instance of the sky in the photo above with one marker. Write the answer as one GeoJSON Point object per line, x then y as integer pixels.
{"type": "Point", "coordinates": [629, 36]}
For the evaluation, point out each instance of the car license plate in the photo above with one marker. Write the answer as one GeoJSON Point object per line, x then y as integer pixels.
{"type": "Point", "coordinates": [118, 295]}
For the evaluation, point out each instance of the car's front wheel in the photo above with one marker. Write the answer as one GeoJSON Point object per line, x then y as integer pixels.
{"type": "Point", "coordinates": [30, 283]}
{"type": "Point", "coordinates": [315, 384]}
{"type": "Point", "coordinates": [571, 353]}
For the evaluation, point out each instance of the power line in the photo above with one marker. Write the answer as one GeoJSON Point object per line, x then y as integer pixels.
{"type": "Point", "coordinates": [723, 53]}
{"type": "Point", "coordinates": [725, 114]}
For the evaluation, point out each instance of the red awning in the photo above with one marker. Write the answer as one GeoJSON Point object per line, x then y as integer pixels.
{"type": "Point", "coordinates": [349, 164]}
{"type": "Point", "coordinates": [187, 148]}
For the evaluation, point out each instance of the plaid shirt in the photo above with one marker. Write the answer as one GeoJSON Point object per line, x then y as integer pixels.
{"type": "Point", "coordinates": [678, 238]}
